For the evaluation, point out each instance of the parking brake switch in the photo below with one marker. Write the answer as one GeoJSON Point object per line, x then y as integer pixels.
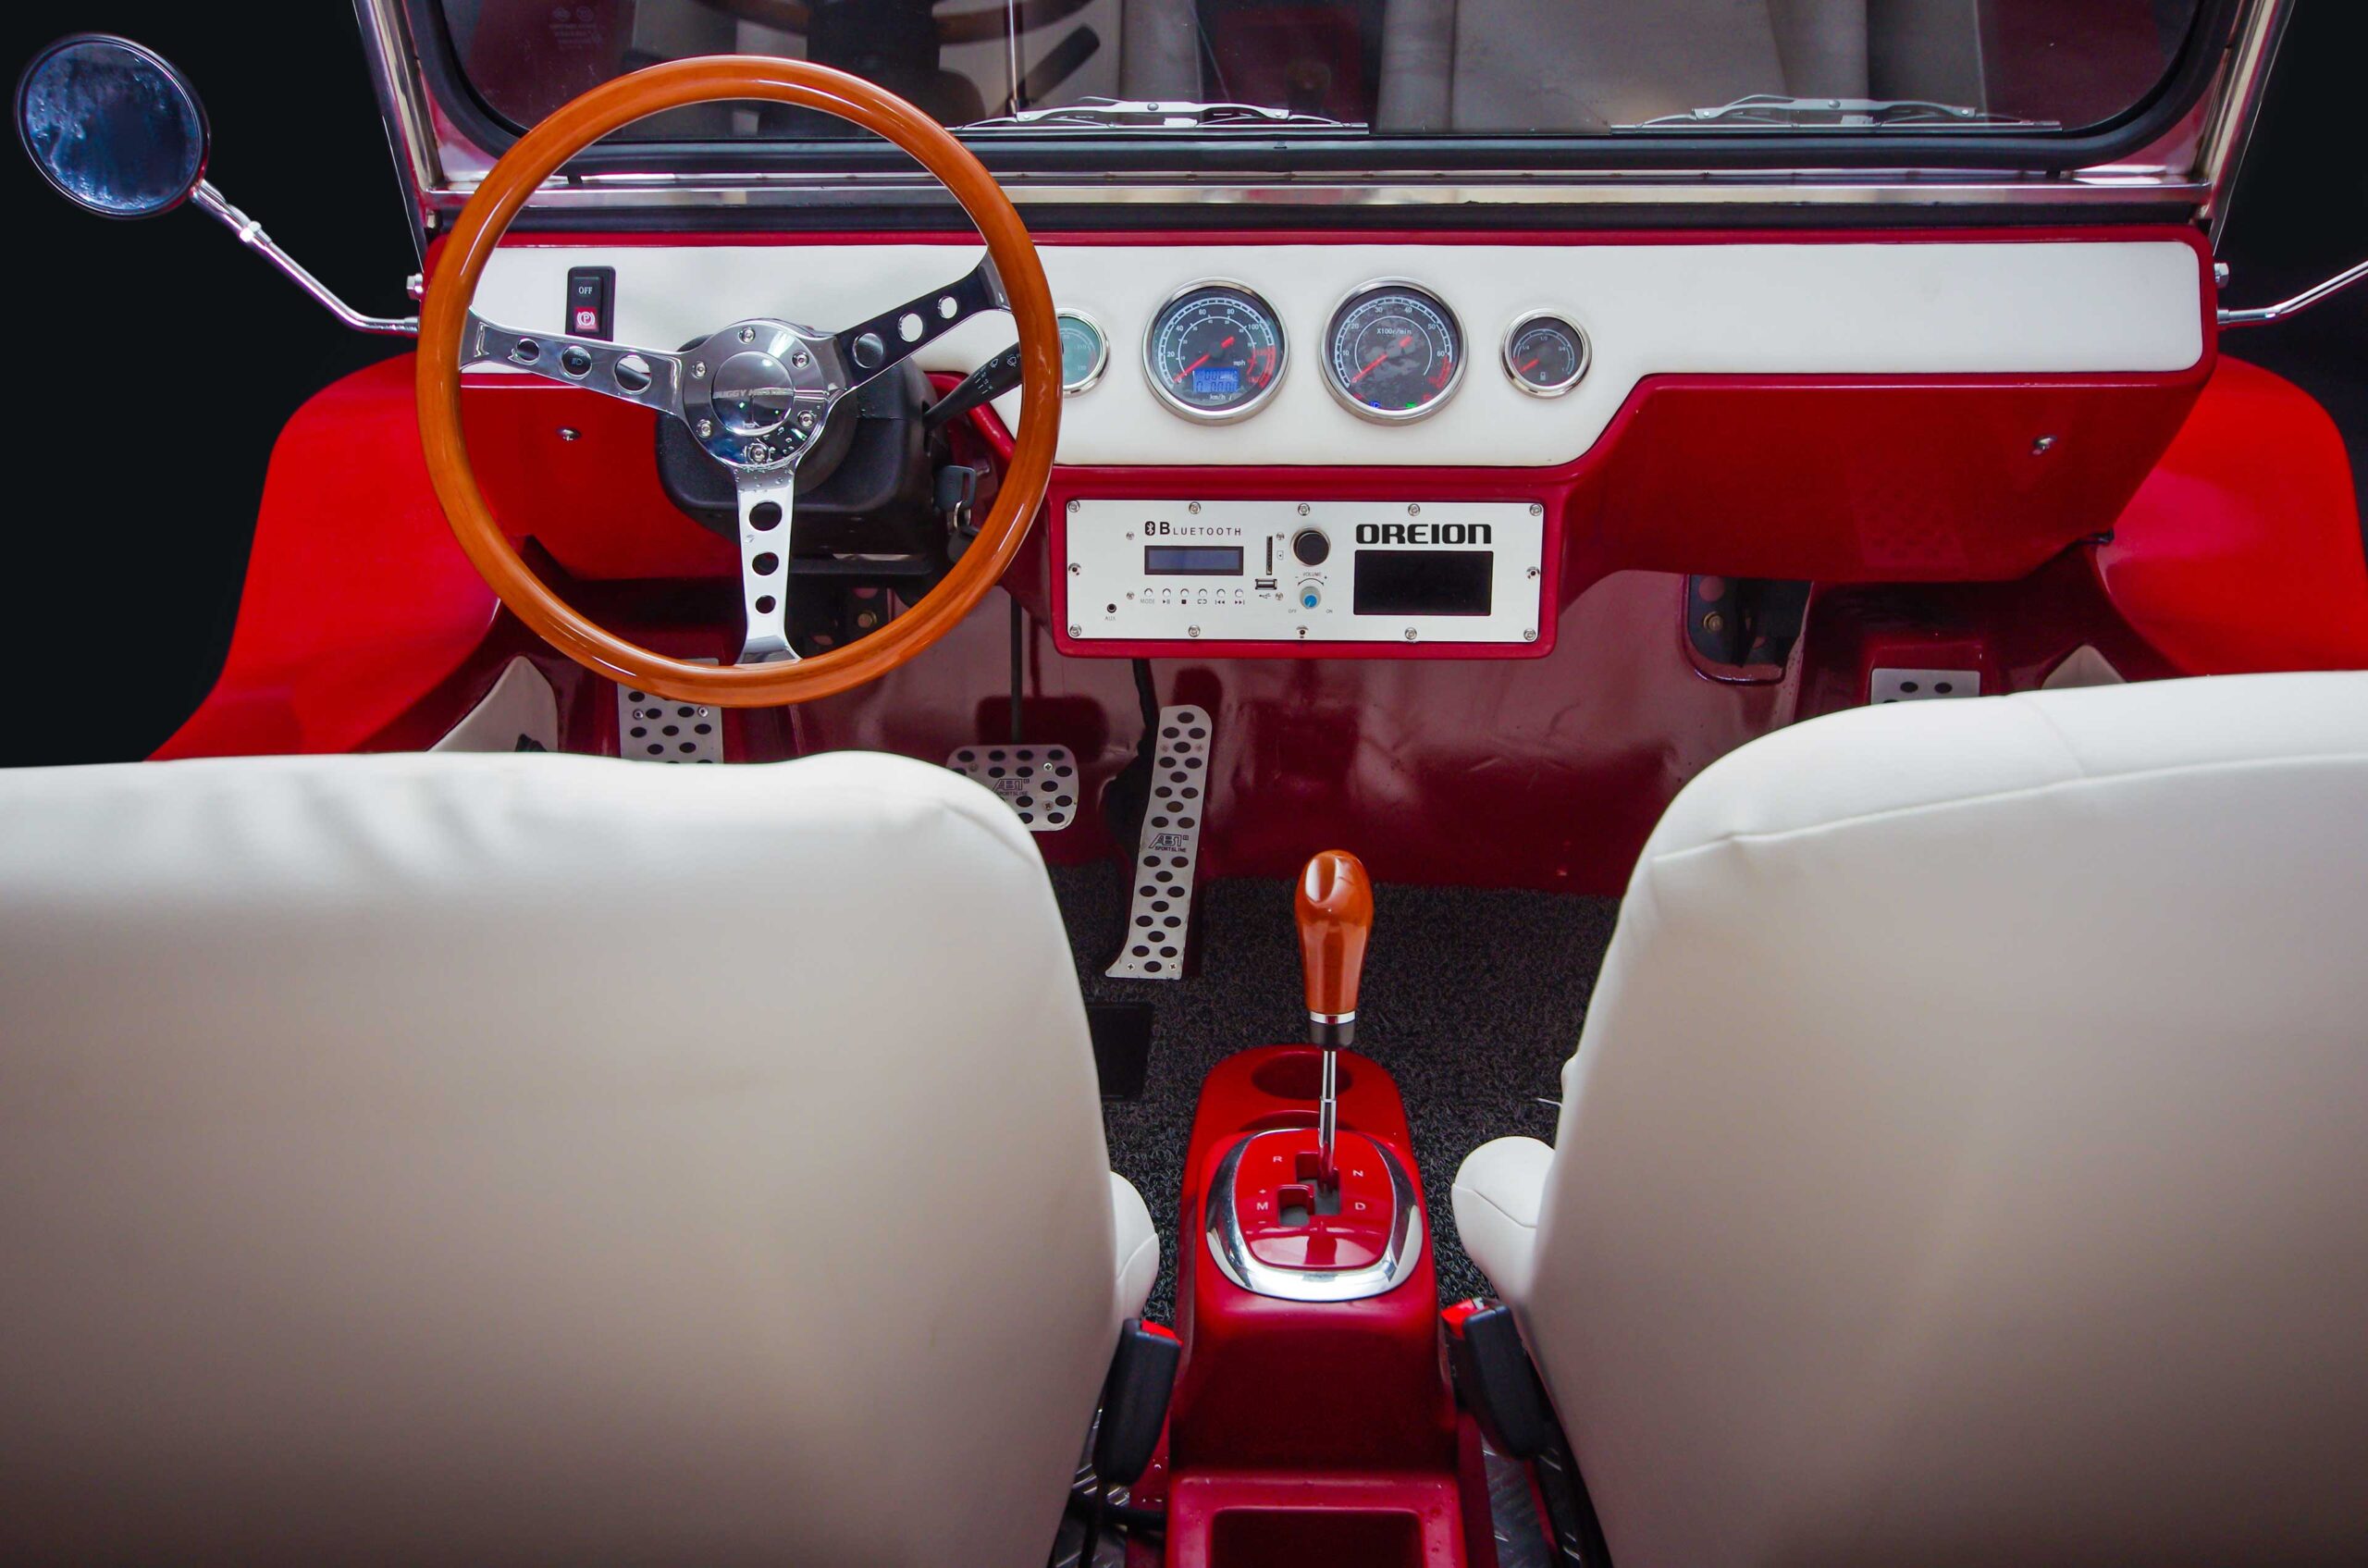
{"type": "Point", "coordinates": [592, 303]}
{"type": "Point", "coordinates": [1335, 909]}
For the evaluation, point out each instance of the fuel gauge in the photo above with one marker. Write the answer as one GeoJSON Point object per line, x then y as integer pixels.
{"type": "Point", "coordinates": [1546, 355]}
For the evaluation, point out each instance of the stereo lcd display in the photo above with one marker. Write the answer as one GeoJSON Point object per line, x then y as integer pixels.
{"type": "Point", "coordinates": [1192, 560]}
{"type": "Point", "coordinates": [1425, 582]}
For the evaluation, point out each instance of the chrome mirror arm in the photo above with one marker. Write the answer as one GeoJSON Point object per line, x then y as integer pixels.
{"type": "Point", "coordinates": [2262, 315]}
{"type": "Point", "coordinates": [252, 236]}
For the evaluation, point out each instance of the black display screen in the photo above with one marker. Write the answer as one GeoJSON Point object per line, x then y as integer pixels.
{"type": "Point", "coordinates": [1192, 561]}
{"type": "Point", "coordinates": [1425, 582]}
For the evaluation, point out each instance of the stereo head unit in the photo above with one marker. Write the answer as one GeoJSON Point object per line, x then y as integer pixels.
{"type": "Point", "coordinates": [1264, 576]}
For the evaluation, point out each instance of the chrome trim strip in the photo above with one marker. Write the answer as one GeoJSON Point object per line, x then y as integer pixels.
{"type": "Point", "coordinates": [2229, 133]}
{"type": "Point", "coordinates": [1234, 1260]}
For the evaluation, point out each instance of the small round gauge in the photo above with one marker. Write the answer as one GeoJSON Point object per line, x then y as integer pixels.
{"type": "Point", "coordinates": [1085, 352]}
{"type": "Point", "coordinates": [1215, 352]}
{"type": "Point", "coordinates": [1546, 355]}
{"type": "Point", "coordinates": [1393, 353]}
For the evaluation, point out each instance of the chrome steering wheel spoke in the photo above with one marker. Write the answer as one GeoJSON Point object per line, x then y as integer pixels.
{"type": "Point", "coordinates": [767, 497]}
{"type": "Point", "coordinates": [871, 349]}
{"type": "Point", "coordinates": [636, 376]}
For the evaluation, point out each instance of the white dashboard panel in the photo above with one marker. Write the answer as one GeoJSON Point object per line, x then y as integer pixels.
{"type": "Point", "coordinates": [1780, 308]}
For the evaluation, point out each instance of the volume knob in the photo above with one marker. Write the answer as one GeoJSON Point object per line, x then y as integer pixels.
{"type": "Point", "coordinates": [1310, 547]}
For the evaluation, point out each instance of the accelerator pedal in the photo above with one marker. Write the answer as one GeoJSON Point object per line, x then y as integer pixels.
{"type": "Point", "coordinates": [1039, 783]}
{"type": "Point", "coordinates": [1159, 917]}
{"type": "Point", "coordinates": [659, 729]}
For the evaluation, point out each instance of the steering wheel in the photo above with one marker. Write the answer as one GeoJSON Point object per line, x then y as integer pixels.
{"type": "Point", "coordinates": [755, 395]}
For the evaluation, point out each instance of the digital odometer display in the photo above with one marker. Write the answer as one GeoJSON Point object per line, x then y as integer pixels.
{"type": "Point", "coordinates": [1394, 351]}
{"type": "Point", "coordinates": [1215, 352]}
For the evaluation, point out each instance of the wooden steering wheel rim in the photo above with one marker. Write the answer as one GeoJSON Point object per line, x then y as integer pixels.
{"type": "Point", "coordinates": [506, 190]}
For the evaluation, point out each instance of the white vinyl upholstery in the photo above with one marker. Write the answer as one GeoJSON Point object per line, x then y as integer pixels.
{"type": "Point", "coordinates": [535, 1158]}
{"type": "Point", "coordinates": [1966, 1157]}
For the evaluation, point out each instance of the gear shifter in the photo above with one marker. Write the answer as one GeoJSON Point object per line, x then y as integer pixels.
{"type": "Point", "coordinates": [1335, 908]}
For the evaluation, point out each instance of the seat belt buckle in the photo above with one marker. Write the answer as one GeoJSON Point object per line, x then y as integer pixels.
{"type": "Point", "coordinates": [1134, 1401]}
{"type": "Point", "coordinates": [1496, 1380]}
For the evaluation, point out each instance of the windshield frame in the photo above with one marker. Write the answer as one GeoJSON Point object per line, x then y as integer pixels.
{"type": "Point", "coordinates": [2110, 162]}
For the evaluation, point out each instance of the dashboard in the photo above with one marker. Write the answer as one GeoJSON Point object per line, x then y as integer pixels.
{"type": "Point", "coordinates": [1280, 446]}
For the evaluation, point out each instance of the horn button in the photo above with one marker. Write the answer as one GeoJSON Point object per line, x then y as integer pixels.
{"type": "Point", "coordinates": [757, 393]}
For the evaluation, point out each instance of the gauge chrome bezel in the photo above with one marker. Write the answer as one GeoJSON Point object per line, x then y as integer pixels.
{"type": "Point", "coordinates": [1092, 378]}
{"type": "Point", "coordinates": [1348, 400]}
{"type": "Point", "coordinates": [1226, 415]}
{"type": "Point", "coordinates": [1512, 336]}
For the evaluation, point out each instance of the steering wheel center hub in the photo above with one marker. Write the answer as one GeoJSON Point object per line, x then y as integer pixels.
{"type": "Point", "coordinates": [754, 394]}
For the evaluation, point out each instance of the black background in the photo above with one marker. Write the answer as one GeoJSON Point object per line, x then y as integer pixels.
{"type": "Point", "coordinates": [154, 362]}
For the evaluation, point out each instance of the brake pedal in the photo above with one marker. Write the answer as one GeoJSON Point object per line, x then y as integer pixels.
{"type": "Point", "coordinates": [659, 729]}
{"type": "Point", "coordinates": [1159, 917]}
{"type": "Point", "coordinates": [1039, 783]}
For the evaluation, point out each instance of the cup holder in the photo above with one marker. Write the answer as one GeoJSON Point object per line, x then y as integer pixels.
{"type": "Point", "coordinates": [1298, 1075]}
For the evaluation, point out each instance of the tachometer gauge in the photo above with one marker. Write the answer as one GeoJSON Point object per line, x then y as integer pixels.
{"type": "Point", "coordinates": [1394, 351]}
{"type": "Point", "coordinates": [1085, 352]}
{"type": "Point", "coordinates": [1546, 355]}
{"type": "Point", "coordinates": [1215, 352]}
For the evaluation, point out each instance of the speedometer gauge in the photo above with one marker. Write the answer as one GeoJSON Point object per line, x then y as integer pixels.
{"type": "Point", "coordinates": [1394, 351]}
{"type": "Point", "coordinates": [1215, 352]}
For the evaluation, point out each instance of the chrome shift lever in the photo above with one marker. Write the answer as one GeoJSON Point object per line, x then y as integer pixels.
{"type": "Point", "coordinates": [1335, 909]}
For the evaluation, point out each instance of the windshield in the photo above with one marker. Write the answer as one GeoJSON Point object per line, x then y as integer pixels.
{"type": "Point", "coordinates": [1118, 68]}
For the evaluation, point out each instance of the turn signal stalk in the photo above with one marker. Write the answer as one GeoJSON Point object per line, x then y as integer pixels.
{"type": "Point", "coordinates": [1335, 907]}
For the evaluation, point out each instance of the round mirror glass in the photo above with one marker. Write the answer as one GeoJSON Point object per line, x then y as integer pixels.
{"type": "Point", "coordinates": [113, 126]}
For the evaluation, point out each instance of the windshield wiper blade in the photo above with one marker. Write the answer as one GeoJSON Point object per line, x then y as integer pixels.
{"type": "Point", "coordinates": [1118, 114]}
{"type": "Point", "coordinates": [1761, 109]}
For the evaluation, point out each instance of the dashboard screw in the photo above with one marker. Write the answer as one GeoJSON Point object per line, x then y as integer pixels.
{"type": "Point", "coordinates": [1073, 630]}
{"type": "Point", "coordinates": [1304, 509]}
{"type": "Point", "coordinates": [1302, 631]}
{"type": "Point", "coordinates": [1075, 569]}
{"type": "Point", "coordinates": [1413, 509]}
{"type": "Point", "coordinates": [1535, 510]}
{"type": "Point", "coordinates": [569, 432]}
{"type": "Point", "coordinates": [2041, 447]}
{"type": "Point", "coordinates": [1714, 622]}
{"type": "Point", "coordinates": [1075, 504]}
{"type": "Point", "coordinates": [1195, 508]}
{"type": "Point", "coordinates": [1529, 634]}
{"type": "Point", "coordinates": [1535, 574]}
{"type": "Point", "coordinates": [1410, 633]}
{"type": "Point", "coordinates": [1191, 631]}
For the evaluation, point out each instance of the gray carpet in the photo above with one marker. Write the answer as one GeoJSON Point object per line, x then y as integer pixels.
{"type": "Point", "coordinates": [1472, 999]}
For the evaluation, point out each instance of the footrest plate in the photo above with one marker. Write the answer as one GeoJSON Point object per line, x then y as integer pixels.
{"type": "Point", "coordinates": [1159, 915]}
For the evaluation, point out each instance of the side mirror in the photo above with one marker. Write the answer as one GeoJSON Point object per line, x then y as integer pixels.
{"type": "Point", "coordinates": [112, 125]}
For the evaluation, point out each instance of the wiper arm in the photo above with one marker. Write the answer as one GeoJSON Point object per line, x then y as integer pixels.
{"type": "Point", "coordinates": [1762, 109]}
{"type": "Point", "coordinates": [1118, 114]}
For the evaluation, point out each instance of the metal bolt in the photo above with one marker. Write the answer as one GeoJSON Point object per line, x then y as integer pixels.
{"type": "Point", "coordinates": [1529, 634]}
{"type": "Point", "coordinates": [698, 369]}
{"type": "Point", "coordinates": [1075, 504]}
{"type": "Point", "coordinates": [569, 432]}
{"type": "Point", "coordinates": [747, 334]}
{"type": "Point", "coordinates": [2042, 446]}
{"type": "Point", "coordinates": [1304, 509]}
{"type": "Point", "coordinates": [1191, 631]}
{"type": "Point", "coordinates": [760, 453]}
{"type": "Point", "coordinates": [1075, 569]}
{"type": "Point", "coordinates": [1410, 633]}
{"type": "Point", "coordinates": [706, 427]}
{"type": "Point", "coordinates": [806, 420]}
{"type": "Point", "coordinates": [1413, 509]}
{"type": "Point", "coordinates": [2220, 274]}
{"type": "Point", "coordinates": [1074, 630]}
{"type": "Point", "coordinates": [1714, 622]}
{"type": "Point", "coordinates": [1535, 510]}
{"type": "Point", "coordinates": [866, 620]}
{"type": "Point", "coordinates": [1195, 508]}
{"type": "Point", "coordinates": [800, 360]}
{"type": "Point", "coordinates": [415, 286]}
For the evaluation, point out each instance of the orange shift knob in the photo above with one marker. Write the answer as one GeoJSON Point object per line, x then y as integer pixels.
{"type": "Point", "coordinates": [1335, 919]}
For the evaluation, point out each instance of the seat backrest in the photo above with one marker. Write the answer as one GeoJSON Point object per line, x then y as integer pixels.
{"type": "Point", "coordinates": [1965, 1159]}
{"type": "Point", "coordinates": [503, 1159]}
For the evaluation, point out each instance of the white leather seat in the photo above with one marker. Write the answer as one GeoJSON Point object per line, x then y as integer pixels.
{"type": "Point", "coordinates": [543, 1158]}
{"type": "Point", "coordinates": [1962, 1159]}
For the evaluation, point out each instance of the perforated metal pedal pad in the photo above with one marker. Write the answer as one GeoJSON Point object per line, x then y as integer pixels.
{"type": "Point", "coordinates": [659, 729]}
{"type": "Point", "coordinates": [1159, 916]}
{"type": "Point", "coordinates": [1039, 783]}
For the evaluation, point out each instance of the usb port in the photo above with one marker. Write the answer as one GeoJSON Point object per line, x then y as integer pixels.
{"type": "Point", "coordinates": [1265, 585]}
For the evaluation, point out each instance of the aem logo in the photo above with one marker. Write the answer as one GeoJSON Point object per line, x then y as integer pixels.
{"type": "Point", "coordinates": [1422, 534]}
